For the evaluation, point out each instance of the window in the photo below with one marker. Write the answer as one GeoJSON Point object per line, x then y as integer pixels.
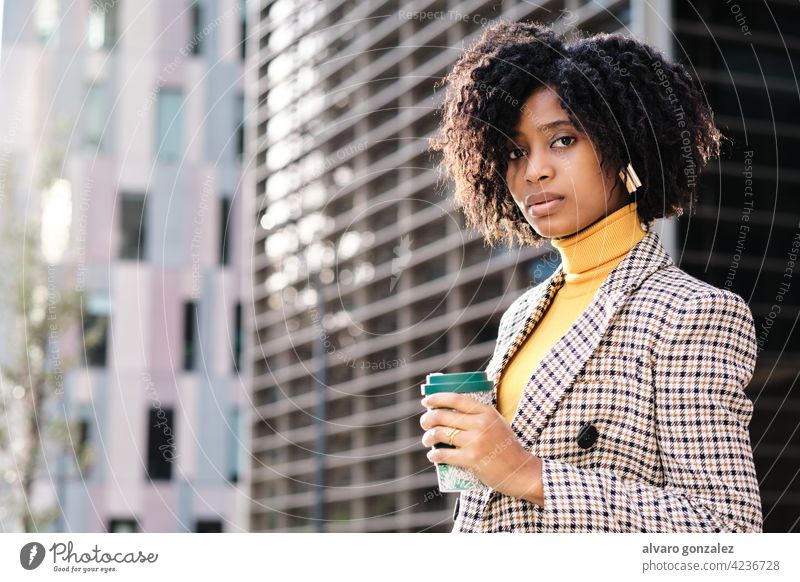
{"type": "Point", "coordinates": [170, 125]}
{"type": "Point", "coordinates": [95, 116]}
{"type": "Point", "coordinates": [239, 117]}
{"type": "Point", "coordinates": [208, 526]}
{"type": "Point", "coordinates": [190, 315]}
{"type": "Point", "coordinates": [235, 442]}
{"type": "Point", "coordinates": [132, 217]}
{"type": "Point", "coordinates": [237, 339]}
{"type": "Point", "coordinates": [224, 230]}
{"type": "Point", "coordinates": [243, 29]}
{"type": "Point", "coordinates": [160, 444]}
{"type": "Point", "coordinates": [46, 19]}
{"type": "Point", "coordinates": [83, 433]}
{"type": "Point", "coordinates": [83, 429]}
{"type": "Point", "coordinates": [123, 526]}
{"type": "Point", "coordinates": [102, 29]}
{"type": "Point", "coordinates": [196, 41]}
{"type": "Point", "coordinates": [95, 332]}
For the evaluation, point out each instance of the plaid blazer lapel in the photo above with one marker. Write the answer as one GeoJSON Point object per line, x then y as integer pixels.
{"type": "Point", "coordinates": [556, 372]}
{"type": "Point", "coordinates": [534, 304]}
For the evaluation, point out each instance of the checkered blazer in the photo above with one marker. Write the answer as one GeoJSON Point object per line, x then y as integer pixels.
{"type": "Point", "coordinates": [638, 411]}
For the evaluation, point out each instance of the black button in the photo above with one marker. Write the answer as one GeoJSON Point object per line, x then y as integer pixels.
{"type": "Point", "coordinates": [587, 435]}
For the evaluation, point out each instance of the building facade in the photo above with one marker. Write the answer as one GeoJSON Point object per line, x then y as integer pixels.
{"type": "Point", "coordinates": [135, 110]}
{"type": "Point", "coordinates": [745, 234]}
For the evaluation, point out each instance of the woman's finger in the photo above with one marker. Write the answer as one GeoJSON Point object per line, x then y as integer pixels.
{"type": "Point", "coordinates": [441, 434]}
{"type": "Point", "coordinates": [456, 401]}
{"type": "Point", "coordinates": [446, 457]}
{"type": "Point", "coordinates": [440, 417]}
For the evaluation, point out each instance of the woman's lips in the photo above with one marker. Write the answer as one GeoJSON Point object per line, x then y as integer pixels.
{"type": "Point", "coordinates": [545, 208]}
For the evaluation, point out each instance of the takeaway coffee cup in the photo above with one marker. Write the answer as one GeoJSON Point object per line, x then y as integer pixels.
{"type": "Point", "coordinates": [476, 385]}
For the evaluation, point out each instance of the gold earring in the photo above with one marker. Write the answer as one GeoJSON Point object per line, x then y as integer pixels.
{"type": "Point", "coordinates": [632, 181]}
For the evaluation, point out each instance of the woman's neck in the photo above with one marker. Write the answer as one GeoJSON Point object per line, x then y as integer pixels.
{"type": "Point", "coordinates": [604, 240]}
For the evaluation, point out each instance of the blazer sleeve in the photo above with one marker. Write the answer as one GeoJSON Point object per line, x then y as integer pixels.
{"type": "Point", "coordinates": [702, 365]}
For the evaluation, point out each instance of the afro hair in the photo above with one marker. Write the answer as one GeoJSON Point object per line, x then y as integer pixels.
{"type": "Point", "coordinates": [634, 104]}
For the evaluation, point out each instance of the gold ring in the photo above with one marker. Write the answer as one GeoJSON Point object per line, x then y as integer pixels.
{"type": "Point", "coordinates": [451, 434]}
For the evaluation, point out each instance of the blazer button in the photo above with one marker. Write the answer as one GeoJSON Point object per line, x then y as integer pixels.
{"type": "Point", "coordinates": [587, 436]}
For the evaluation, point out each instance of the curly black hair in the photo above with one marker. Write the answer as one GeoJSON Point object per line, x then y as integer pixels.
{"type": "Point", "coordinates": [635, 105]}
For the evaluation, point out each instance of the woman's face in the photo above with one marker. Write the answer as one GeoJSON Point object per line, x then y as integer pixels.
{"type": "Point", "coordinates": [554, 172]}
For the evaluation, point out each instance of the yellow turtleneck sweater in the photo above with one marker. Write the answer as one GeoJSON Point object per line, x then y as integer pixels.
{"type": "Point", "coordinates": [588, 256]}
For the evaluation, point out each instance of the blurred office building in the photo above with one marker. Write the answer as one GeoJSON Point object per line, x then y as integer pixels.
{"type": "Point", "coordinates": [364, 279]}
{"type": "Point", "coordinates": [132, 112]}
{"type": "Point", "coordinates": [745, 234]}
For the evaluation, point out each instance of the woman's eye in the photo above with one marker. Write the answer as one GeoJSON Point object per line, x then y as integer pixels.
{"type": "Point", "coordinates": [563, 141]}
{"type": "Point", "coordinates": [516, 153]}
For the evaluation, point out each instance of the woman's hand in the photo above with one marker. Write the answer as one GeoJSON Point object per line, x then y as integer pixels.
{"type": "Point", "coordinates": [485, 445]}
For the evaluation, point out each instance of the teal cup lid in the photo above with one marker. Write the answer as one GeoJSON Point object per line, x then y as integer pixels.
{"type": "Point", "coordinates": [456, 387]}
{"type": "Point", "coordinates": [439, 377]}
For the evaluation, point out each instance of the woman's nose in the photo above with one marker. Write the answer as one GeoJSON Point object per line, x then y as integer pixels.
{"type": "Point", "coordinates": [538, 169]}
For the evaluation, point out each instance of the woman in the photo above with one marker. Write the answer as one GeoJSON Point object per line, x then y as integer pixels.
{"type": "Point", "coordinates": [619, 399]}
